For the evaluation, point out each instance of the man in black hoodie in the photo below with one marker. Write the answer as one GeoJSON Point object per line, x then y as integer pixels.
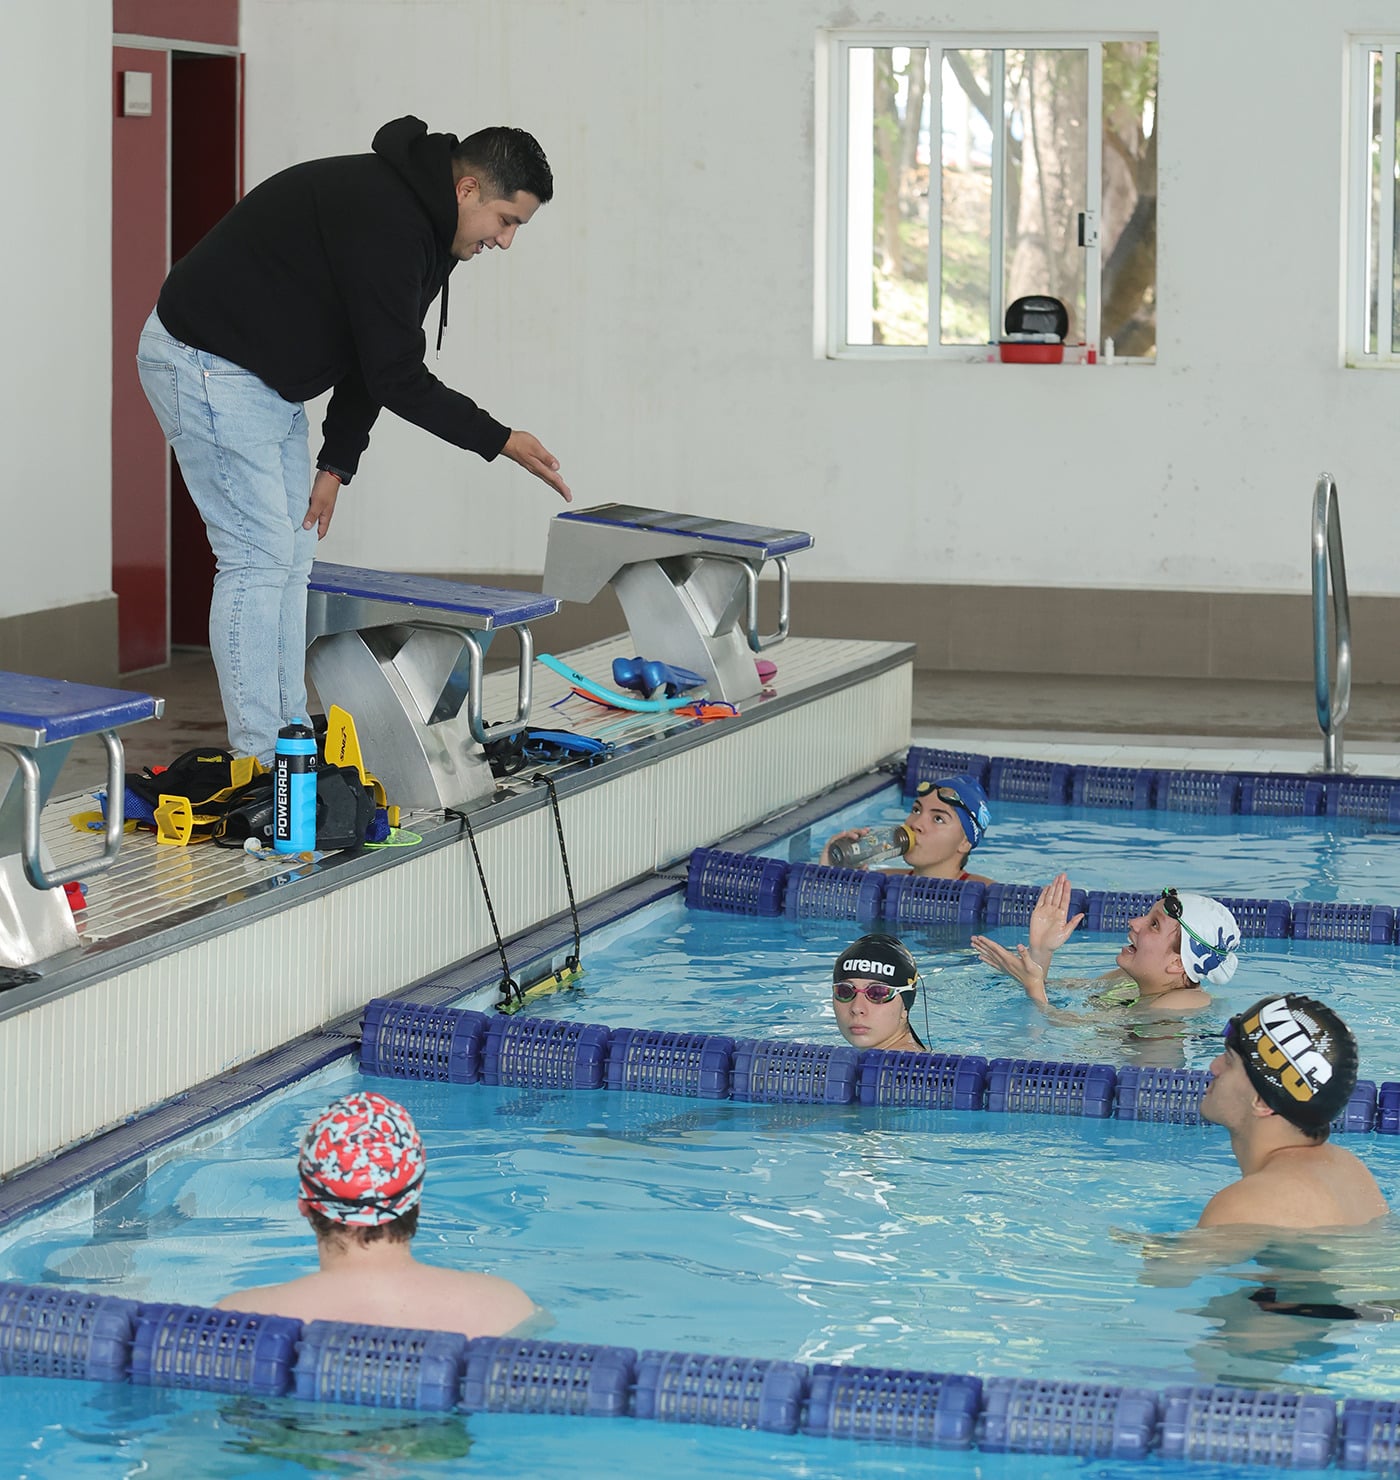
{"type": "Point", "coordinates": [319, 280]}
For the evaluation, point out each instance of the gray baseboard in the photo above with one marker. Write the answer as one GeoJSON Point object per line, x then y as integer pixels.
{"type": "Point", "coordinates": [77, 642]}
{"type": "Point", "coordinates": [1038, 629]}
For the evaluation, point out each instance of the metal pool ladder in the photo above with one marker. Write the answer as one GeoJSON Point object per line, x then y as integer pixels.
{"type": "Point", "coordinates": [1333, 700]}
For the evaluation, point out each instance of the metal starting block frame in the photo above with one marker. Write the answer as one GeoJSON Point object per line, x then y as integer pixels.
{"type": "Point", "coordinates": [404, 654]}
{"type": "Point", "coordinates": [688, 585]}
{"type": "Point", "coordinates": [40, 718]}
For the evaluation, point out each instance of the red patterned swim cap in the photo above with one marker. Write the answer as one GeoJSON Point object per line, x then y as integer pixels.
{"type": "Point", "coordinates": [362, 1161]}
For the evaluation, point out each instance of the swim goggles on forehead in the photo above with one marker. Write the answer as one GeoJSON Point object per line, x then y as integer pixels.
{"type": "Point", "coordinates": [950, 799]}
{"type": "Point", "coordinates": [876, 992]}
{"type": "Point", "coordinates": [1171, 902]}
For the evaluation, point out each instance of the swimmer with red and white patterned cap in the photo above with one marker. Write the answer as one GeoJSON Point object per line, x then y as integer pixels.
{"type": "Point", "coordinates": [361, 1170]}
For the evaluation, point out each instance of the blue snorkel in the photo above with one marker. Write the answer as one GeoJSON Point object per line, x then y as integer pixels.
{"type": "Point", "coordinates": [618, 700]}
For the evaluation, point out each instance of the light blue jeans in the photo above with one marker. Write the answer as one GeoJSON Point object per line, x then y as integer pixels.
{"type": "Point", "coordinates": [243, 451]}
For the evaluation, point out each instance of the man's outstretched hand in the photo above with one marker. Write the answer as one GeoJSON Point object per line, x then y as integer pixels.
{"type": "Point", "coordinates": [536, 458]}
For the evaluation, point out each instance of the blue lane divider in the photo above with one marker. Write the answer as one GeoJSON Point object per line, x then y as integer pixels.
{"type": "Point", "coordinates": [936, 1081]}
{"type": "Point", "coordinates": [727, 1392]}
{"type": "Point", "coordinates": [507, 1375]}
{"type": "Point", "coordinates": [739, 883]}
{"type": "Point", "coordinates": [1092, 1419]}
{"type": "Point", "coordinates": [411, 1041]}
{"type": "Point", "coordinates": [813, 891]}
{"type": "Point", "coordinates": [218, 1351]}
{"type": "Point", "coordinates": [1362, 924]}
{"type": "Point", "coordinates": [1370, 1435]}
{"type": "Point", "coordinates": [1051, 1089]}
{"type": "Point", "coordinates": [1028, 781]}
{"type": "Point", "coordinates": [890, 1406]}
{"type": "Point", "coordinates": [47, 1331]}
{"type": "Point", "coordinates": [1011, 904]}
{"type": "Point", "coordinates": [1172, 1095]}
{"type": "Point", "coordinates": [696, 1064]}
{"type": "Point", "coordinates": [925, 764]}
{"type": "Point", "coordinates": [1278, 795]}
{"type": "Point", "coordinates": [795, 1073]}
{"type": "Point", "coordinates": [1367, 798]}
{"type": "Point", "coordinates": [1388, 1109]}
{"type": "Point", "coordinates": [380, 1366]}
{"type": "Point", "coordinates": [1126, 788]}
{"type": "Point", "coordinates": [547, 1053]}
{"type": "Point", "coordinates": [912, 901]}
{"type": "Point", "coordinates": [1198, 791]}
{"type": "Point", "coordinates": [1243, 1426]}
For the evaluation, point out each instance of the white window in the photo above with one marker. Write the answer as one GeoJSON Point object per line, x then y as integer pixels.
{"type": "Point", "coordinates": [966, 172]}
{"type": "Point", "coordinates": [1373, 263]}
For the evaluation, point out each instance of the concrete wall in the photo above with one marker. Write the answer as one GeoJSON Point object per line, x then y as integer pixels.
{"type": "Point", "coordinates": [654, 324]}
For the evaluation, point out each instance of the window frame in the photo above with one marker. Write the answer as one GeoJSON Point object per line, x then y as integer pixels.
{"type": "Point", "coordinates": [1356, 260]}
{"type": "Point", "coordinates": [833, 114]}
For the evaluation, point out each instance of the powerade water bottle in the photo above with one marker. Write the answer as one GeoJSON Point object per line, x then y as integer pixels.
{"type": "Point", "coordinates": [294, 789]}
{"type": "Point", "coordinates": [876, 846]}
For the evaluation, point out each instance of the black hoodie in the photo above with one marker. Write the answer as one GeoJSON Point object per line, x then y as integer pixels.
{"type": "Point", "coordinates": [320, 277]}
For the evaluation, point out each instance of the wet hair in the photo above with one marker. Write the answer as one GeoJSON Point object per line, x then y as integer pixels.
{"type": "Point", "coordinates": [507, 160]}
{"type": "Point", "coordinates": [399, 1231]}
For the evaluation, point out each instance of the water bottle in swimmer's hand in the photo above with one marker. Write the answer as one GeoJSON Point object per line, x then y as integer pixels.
{"type": "Point", "coordinates": [878, 845]}
{"type": "Point", "coordinates": [294, 789]}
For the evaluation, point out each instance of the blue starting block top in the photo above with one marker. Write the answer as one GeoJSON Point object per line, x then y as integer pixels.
{"type": "Point", "coordinates": [752, 540]}
{"type": "Point", "coordinates": [44, 711]}
{"type": "Point", "coordinates": [481, 607]}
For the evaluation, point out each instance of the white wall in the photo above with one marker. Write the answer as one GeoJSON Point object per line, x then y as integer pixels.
{"type": "Point", "coordinates": [55, 303]}
{"type": "Point", "coordinates": [654, 323]}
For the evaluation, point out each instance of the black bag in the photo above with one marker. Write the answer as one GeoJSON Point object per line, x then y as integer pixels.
{"type": "Point", "coordinates": [344, 808]}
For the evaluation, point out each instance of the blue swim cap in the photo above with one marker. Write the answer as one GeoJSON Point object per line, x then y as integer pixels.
{"type": "Point", "coordinates": [965, 796]}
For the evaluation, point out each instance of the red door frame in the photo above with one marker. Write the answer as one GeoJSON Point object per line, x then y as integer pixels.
{"type": "Point", "coordinates": [174, 173]}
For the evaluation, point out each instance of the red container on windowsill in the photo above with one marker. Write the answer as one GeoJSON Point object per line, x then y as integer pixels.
{"type": "Point", "coordinates": [1019, 352]}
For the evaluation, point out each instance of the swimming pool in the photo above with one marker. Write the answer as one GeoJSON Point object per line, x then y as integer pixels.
{"type": "Point", "coordinates": [936, 1240]}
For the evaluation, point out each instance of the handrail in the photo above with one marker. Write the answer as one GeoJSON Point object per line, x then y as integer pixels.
{"type": "Point", "coordinates": [1333, 702]}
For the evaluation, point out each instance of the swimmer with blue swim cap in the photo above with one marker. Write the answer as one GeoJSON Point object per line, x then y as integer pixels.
{"type": "Point", "coordinates": [1286, 1071]}
{"type": "Point", "coordinates": [1182, 943]}
{"type": "Point", "coordinates": [947, 820]}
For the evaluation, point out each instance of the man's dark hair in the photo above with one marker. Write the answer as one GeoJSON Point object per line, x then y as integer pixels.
{"type": "Point", "coordinates": [399, 1231]}
{"type": "Point", "coordinates": [507, 160]}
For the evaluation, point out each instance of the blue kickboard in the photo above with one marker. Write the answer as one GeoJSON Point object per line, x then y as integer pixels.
{"type": "Point", "coordinates": [503, 608]}
{"type": "Point", "coordinates": [54, 709]}
{"type": "Point", "coordinates": [763, 541]}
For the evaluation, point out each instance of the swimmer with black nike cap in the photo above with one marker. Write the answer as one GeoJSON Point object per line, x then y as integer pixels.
{"type": "Point", "coordinates": [1286, 1072]}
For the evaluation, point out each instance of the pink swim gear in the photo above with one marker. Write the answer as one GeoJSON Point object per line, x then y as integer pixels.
{"type": "Point", "coordinates": [362, 1161]}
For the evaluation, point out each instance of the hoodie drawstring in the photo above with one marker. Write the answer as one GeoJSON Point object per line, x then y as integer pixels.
{"type": "Point", "coordinates": [442, 315]}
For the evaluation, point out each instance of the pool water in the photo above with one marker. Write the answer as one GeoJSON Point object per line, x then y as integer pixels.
{"type": "Point", "coordinates": [1018, 1246]}
{"type": "Point", "coordinates": [946, 1241]}
{"type": "Point", "coordinates": [1323, 858]}
{"type": "Point", "coordinates": [702, 971]}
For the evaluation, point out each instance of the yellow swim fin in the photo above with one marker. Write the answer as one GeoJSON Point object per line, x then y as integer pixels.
{"type": "Point", "coordinates": [174, 820]}
{"type": "Point", "coordinates": [343, 749]}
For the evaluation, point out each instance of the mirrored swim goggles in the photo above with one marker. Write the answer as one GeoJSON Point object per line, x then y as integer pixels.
{"type": "Point", "coordinates": [1171, 902]}
{"type": "Point", "coordinates": [877, 993]}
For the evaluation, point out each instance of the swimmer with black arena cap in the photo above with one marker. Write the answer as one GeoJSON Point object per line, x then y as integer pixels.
{"type": "Point", "coordinates": [1286, 1072]}
{"type": "Point", "coordinates": [874, 985]}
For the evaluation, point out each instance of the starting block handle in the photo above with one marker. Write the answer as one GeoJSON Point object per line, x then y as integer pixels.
{"type": "Point", "coordinates": [751, 572]}
{"type": "Point", "coordinates": [33, 806]}
{"type": "Point", "coordinates": [481, 732]}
